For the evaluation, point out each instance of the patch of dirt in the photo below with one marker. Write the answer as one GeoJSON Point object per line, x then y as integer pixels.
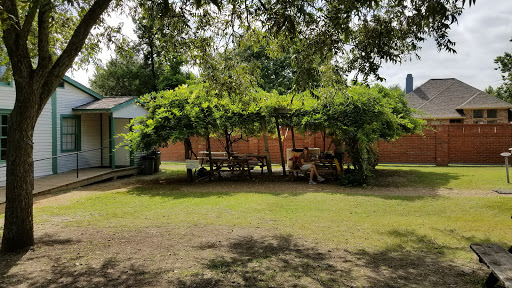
{"type": "Point", "coordinates": [216, 256]}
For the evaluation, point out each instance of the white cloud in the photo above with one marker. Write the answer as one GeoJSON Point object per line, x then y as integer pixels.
{"type": "Point", "coordinates": [483, 32]}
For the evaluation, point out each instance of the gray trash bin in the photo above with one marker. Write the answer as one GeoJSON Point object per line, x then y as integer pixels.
{"type": "Point", "coordinates": [158, 160]}
{"type": "Point", "coordinates": [148, 165]}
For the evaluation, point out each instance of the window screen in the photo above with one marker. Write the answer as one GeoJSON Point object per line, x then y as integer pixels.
{"type": "Point", "coordinates": [492, 113]}
{"type": "Point", "coordinates": [478, 113]}
{"type": "Point", "coordinates": [70, 133]}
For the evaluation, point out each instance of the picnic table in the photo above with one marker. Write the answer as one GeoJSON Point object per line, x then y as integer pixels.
{"type": "Point", "coordinates": [499, 262]}
{"type": "Point", "coordinates": [237, 162]}
{"type": "Point", "coordinates": [327, 165]}
{"type": "Point", "coordinates": [250, 161]}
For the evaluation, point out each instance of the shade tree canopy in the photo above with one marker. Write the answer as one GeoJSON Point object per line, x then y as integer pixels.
{"type": "Point", "coordinates": [359, 35]}
{"type": "Point", "coordinates": [504, 91]}
{"type": "Point", "coordinates": [359, 116]}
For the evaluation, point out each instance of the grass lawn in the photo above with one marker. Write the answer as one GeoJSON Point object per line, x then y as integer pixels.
{"type": "Point", "coordinates": [411, 227]}
{"type": "Point", "coordinates": [451, 177]}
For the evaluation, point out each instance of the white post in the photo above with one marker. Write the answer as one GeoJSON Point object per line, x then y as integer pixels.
{"type": "Point", "coordinates": [506, 155]}
{"type": "Point", "coordinates": [506, 166]}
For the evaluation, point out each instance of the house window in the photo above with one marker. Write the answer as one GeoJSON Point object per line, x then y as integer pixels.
{"type": "Point", "coordinates": [455, 121]}
{"type": "Point", "coordinates": [492, 113]}
{"type": "Point", "coordinates": [70, 133]}
{"type": "Point", "coordinates": [478, 113]}
{"type": "Point", "coordinates": [4, 118]}
{"type": "Point", "coordinates": [479, 122]}
{"type": "Point", "coordinates": [492, 121]}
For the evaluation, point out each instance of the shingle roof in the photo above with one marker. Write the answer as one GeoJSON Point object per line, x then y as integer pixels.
{"type": "Point", "coordinates": [107, 103]}
{"type": "Point", "coordinates": [440, 98]}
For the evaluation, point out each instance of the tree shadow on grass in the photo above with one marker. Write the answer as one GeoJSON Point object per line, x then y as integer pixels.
{"type": "Point", "coordinates": [269, 262]}
{"type": "Point", "coordinates": [281, 261]}
{"type": "Point", "coordinates": [419, 260]}
{"type": "Point", "coordinates": [9, 260]}
{"type": "Point", "coordinates": [111, 273]}
{"type": "Point", "coordinates": [412, 178]}
{"type": "Point", "coordinates": [66, 272]}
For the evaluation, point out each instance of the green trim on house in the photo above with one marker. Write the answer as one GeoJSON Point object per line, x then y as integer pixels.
{"type": "Point", "coordinates": [123, 104]}
{"type": "Point", "coordinates": [132, 155]}
{"type": "Point", "coordinates": [55, 169]}
{"type": "Point", "coordinates": [8, 84]}
{"type": "Point", "coordinates": [112, 127]}
{"type": "Point", "coordinates": [78, 133]}
{"type": "Point", "coordinates": [5, 111]}
{"type": "Point", "coordinates": [82, 87]}
{"type": "Point", "coordinates": [101, 140]}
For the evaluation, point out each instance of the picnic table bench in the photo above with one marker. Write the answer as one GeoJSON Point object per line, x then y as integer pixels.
{"type": "Point", "coordinates": [237, 162]}
{"type": "Point", "coordinates": [498, 260]}
{"type": "Point", "coordinates": [323, 166]}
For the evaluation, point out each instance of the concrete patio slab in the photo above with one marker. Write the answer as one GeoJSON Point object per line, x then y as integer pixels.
{"type": "Point", "coordinates": [68, 180]}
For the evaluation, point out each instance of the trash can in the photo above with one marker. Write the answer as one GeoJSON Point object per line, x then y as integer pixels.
{"type": "Point", "coordinates": [158, 160]}
{"type": "Point", "coordinates": [148, 165]}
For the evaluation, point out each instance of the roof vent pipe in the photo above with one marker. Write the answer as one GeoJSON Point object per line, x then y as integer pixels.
{"type": "Point", "coordinates": [408, 84]}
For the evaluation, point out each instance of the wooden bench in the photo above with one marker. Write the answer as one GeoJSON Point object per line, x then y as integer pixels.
{"type": "Point", "coordinates": [498, 260]}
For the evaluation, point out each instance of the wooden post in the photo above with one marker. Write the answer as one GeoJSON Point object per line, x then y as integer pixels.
{"type": "Point", "coordinates": [323, 138]}
{"type": "Point", "coordinates": [265, 140]}
{"type": "Point", "coordinates": [293, 138]}
{"type": "Point", "coordinates": [280, 146]}
{"type": "Point", "coordinates": [209, 149]}
{"type": "Point", "coordinates": [188, 144]}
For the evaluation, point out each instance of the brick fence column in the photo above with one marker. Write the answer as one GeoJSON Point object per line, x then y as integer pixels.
{"type": "Point", "coordinates": [442, 139]}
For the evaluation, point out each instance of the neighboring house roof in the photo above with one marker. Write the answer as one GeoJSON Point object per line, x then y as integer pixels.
{"type": "Point", "coordinates": [445, 98]}
{"type": "Point", "coordinates": [107, 104]}
{"type": "Point", "coordinates": [82, 87]}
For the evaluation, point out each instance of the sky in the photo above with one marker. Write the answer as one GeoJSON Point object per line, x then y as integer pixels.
{"type": "Point", "coordinates": [482, 33]}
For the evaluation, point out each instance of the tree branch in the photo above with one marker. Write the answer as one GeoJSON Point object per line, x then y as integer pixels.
{"type": "Point", "coordinates": [75, 45]}
{"type": "Point", "coordinates": [43, 38]}
{"type": "Point", "coordinates": [16, 46]}
{"type": "Point", "coordinates": [29, 19]}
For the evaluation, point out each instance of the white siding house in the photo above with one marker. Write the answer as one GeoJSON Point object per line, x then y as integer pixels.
{"type": "Point", "coordinates": [68, 134]}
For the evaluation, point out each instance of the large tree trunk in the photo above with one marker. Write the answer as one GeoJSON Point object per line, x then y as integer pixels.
{"type": "Point", "coordinates": [33, 89]}
{"type": "Point", "coordinates": [18, 227]}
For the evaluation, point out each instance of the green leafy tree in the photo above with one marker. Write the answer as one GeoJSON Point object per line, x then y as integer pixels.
{"type": "Point", "coordinates": [364, 33]}
{"type": "Point", "coordinates": [129, 75]}
{"type": "Point", "coordinates": [123, 76]}
{"type": "Point", "coordinates": [275, 72]}
{"type": "Point", "coordinates": [54, 33]}
{"type": "Point", "coordinates": [361, 116]}
{"type": "Point", "coordinates": [503, 91]}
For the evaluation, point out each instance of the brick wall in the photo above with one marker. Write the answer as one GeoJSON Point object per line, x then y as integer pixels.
{"type": "Point", "coordinates": [469, 143]}
{"type": "Point", "coordinates": [176, 152]}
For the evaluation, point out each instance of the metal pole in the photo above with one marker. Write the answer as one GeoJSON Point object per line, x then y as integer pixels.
{"type": "Point", "coordinates": [77, 165]}
{"type": "Point", "coordinates": [506, 166]}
